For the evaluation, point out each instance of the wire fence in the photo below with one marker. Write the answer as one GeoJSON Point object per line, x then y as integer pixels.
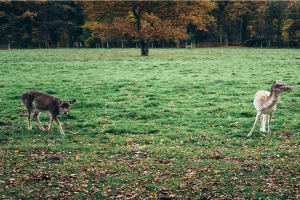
{"type": "Point", "coordinates": [36, 45]}
{"type": "Point", "coordinates": [136, 44]}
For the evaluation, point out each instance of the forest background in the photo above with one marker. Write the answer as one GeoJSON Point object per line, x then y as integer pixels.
{"type": "Point", "coordinates": [144, 24]}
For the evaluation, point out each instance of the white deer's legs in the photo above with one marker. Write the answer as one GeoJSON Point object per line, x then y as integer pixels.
{"type": "Point", "coordinates": [263, 119]}
{"type": "Point", "coordinates": [269, 123]}
{"type": "Point", "coordinates": [256, 120]}
{"type": "Point", "coordinates": [36, 117]}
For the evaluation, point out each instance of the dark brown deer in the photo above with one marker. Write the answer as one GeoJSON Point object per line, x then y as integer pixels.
{"type": "Point", "coordinates": [265, 104]}
{"type": "Point", "coordinates": [41, 102]}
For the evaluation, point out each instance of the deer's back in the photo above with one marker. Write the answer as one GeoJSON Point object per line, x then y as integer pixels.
{"type": "Point", "coordinates": [40, 101]}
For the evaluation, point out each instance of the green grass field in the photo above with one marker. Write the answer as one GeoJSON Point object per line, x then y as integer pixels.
{"type": "Point", "coordinates": [171, 125]}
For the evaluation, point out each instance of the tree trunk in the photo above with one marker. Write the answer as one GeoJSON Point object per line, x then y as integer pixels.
{"type": "Point", "coordinates": [221, 35]}
{"type": "Point", "coordinates": [226, 38]}
{"type": "Point", "coordinates": [241, 28]}
{"type": "Point", "coordinates": [144, 47]}
{"type": "Point", "coordinates": [223, 30]}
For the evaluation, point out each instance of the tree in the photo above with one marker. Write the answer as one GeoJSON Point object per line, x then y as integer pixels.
{"type": "Point", "coordinates": [233, 18]}
{"type": "Point", "coordinates": [221, 21]}
{"type": "Point", "coordinates": [57, 22]}
{"type": "Point", "coordinates": [275, 16]}
{"type": "Point", "coordinates": [239, 14]}
{"type": "Point", "coordinates": [291, 25]}
{"type": "Point", "coordinates": [14, 20]}
{"type": "Point", "coordinates": [267, 22]}
{"type": "Point", "coordinates": [31, 21]}
{"type": "Point", "coordinates": [146, 20]}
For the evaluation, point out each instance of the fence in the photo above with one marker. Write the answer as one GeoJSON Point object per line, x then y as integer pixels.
{"type": "Point", "coordinates": [131, 44]}
{"type": "Point", "coordinates": [38, 45]}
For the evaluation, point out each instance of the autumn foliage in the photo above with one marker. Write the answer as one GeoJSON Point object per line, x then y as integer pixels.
{"type": "Point", "coordinates": [145, 21]}
{"type": "Point", "coordinates": [40, 24]}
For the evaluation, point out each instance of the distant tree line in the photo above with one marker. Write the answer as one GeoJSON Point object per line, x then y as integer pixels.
{"type": "Point", "coordinates": [103, 23]}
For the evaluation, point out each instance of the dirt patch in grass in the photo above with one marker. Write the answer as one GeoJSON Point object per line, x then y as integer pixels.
{"type": "Point", "coordinates": [287, 133]}
{"type": "Point", "coordinates": [251, 166]}
{"type": "Point", "coordinates": [6, 127]}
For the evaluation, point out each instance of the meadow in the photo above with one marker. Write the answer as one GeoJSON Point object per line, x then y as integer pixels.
{"type": "Point", "coordinates": [168, 126]}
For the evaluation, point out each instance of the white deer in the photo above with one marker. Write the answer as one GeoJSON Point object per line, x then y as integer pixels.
{"type": "Point", "coordinates": [265, 104]}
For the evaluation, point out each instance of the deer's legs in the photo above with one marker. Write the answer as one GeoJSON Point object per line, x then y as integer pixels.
{"type": "Point", "coordinates": [256, 120]}
{"type": "Point", "coordinates": [269, 123]}
{"type": "Point", "coordinates": [29, 120]}
{"type": "Point", "coordinates": [50, 124]}
{"type": "Point", "coordinates": [58, 123]}
{"type": "Point", "coordinates": [263, 122]}
{"type": "Point", "coordinates": [36, 117]}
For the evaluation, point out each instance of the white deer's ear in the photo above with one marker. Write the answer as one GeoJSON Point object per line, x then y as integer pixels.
{"type": "Point", "coordinates": [73, 101]}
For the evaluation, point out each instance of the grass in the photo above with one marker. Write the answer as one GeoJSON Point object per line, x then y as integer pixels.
{"type": "Point", "coordinates": [171, 125]}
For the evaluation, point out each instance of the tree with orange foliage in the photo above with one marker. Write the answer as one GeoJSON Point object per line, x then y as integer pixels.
{"type": "Point", "coordinates": [146, 20]}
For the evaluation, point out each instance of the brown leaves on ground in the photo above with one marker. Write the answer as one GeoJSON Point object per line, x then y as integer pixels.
{"type": "Point", "coordinates": [141, 173]}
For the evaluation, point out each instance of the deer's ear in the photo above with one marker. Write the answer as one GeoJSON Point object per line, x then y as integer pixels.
{"type": "Point", "coordinates": [73, 101]}
{"type": "Point", "coordinates": [57, 100]}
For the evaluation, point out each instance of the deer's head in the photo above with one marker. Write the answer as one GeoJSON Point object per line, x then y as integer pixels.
{"type": "Point", "coordinates": [64, 106]}
{"type": "Point", "coordinates": [278, 86]}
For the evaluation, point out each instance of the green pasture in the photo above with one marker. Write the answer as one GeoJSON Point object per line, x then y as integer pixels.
{"type": "Point", "coordinates": [170, 125]}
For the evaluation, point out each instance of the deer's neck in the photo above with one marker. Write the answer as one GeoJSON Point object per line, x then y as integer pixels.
{"type": "Point", "coordinates": [273, 98]}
